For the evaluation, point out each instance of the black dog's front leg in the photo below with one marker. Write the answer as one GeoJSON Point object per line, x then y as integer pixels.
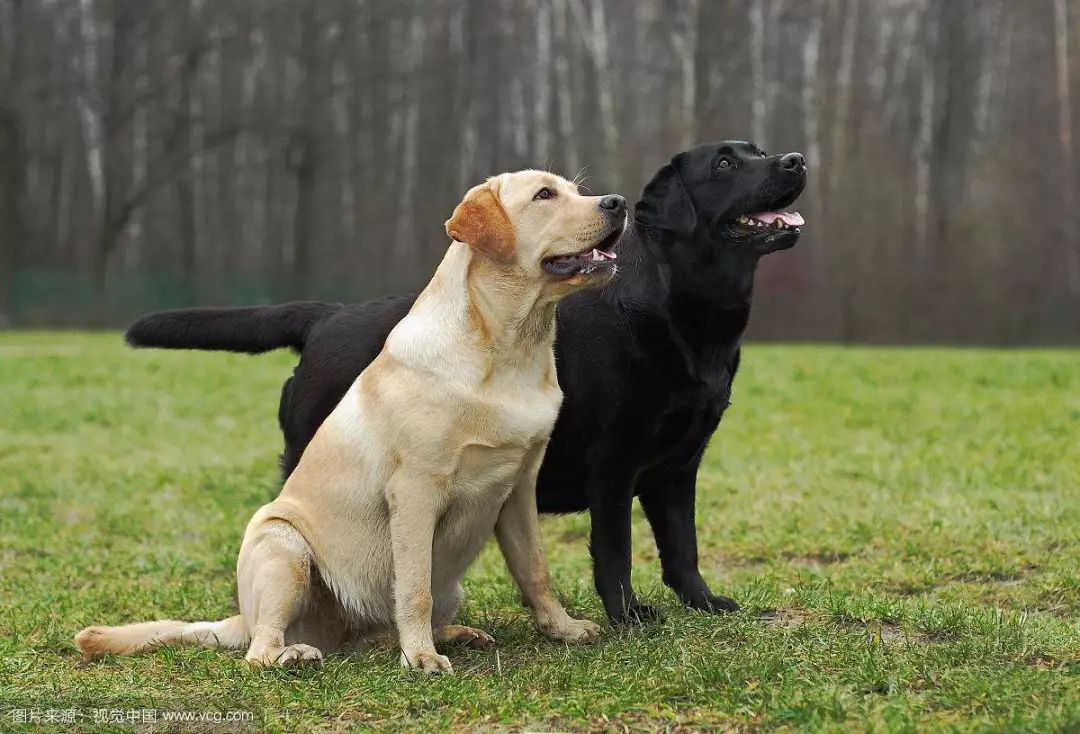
{"type": "Point", "coordinates": [669, 506]}
{"type": "Point", "coordinates": [610, 546]}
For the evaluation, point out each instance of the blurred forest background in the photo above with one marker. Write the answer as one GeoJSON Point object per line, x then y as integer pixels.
{"type": "Point", "coordinates": [158, 153]}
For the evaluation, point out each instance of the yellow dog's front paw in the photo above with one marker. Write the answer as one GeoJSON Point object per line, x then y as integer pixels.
{"type": "Point", "coordinates": [573, 631]}
{"type": "Point", "coordinates": [427, 661]}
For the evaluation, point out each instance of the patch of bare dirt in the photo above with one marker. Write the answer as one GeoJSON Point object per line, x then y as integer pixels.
{"type": "Point", "coordinates": [877, 631]}
{"type": "Point", "coordinates": [820, 558]}
{"type": "Point", "coordinates": [788, 618]}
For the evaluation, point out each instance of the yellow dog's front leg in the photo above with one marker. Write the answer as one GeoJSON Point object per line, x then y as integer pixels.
{"type": "Point", "coordinates": [414, 504]}
{"type": "Point", "coordinates": [518, 532]}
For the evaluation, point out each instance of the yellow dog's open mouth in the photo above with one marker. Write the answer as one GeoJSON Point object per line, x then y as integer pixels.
{"type": "Point", "coordinates": [595, 259]}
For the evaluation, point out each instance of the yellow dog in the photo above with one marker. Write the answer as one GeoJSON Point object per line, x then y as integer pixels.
{"type": "Point", "coordinates": [437, 443]}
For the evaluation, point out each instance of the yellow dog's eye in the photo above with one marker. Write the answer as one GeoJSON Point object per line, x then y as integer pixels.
{"type": "Point", "coordinates": [544, 193]}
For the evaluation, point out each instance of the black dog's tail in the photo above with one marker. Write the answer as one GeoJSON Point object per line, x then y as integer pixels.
{"type": "Point", "coordinates": [252, 330]}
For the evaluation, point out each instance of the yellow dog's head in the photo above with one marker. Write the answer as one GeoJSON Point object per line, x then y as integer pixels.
{"type": "Point", "coordinates": [539, 226]}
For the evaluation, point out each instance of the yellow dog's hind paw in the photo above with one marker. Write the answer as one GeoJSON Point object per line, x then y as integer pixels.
{"type": "Point", "coordinates": [290, 657]}
{"type": "Point", "coordinates": [573, 631]}
{"type": "Point", "coordinates": [459, 634]}
{"type": "Point", "coordinates": [300, 656]}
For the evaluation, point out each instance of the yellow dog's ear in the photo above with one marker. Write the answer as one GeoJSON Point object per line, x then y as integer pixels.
{"type": "Point", "coordinates": [480, 222]}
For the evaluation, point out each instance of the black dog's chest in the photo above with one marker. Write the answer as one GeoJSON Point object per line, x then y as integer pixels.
{"type": "Point", "coordinates": [689, 420]}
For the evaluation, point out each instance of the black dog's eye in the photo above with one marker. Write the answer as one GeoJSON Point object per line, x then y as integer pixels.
{"type": "Point", "coordinates": [544, 193]}
{"type": "Point", "coordinates": [724, 163]}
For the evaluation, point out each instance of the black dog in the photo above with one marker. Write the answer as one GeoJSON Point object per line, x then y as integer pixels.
{"type": "Point", "coordinates": [645, 363]}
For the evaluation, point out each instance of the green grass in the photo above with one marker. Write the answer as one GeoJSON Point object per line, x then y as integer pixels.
{"type": "Point", "coordinates": [910, 517]}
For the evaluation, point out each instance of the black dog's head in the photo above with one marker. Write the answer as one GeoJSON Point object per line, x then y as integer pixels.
{"type": "Point", "coordinates": [728, 194]}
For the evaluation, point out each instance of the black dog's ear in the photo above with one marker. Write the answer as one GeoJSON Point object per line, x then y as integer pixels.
{"type": "Point", "coordinates": [665, 203]}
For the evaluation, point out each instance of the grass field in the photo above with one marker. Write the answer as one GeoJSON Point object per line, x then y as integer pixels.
{"type": "Point", "coordinates": [901, 526]}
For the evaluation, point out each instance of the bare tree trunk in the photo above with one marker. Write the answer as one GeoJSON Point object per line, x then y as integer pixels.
{"type": "Point", "coordinates": [228, 77]}
{"type": "Point", "coordinates": [1068, 216]}
{"type": "Point", "coordinates": [343, 125]}
{"type": "Point", "coordinates": [519, 120]}
{"type": "Point", "coordinates": [187, 217]}
{"type": "Point", "coordinates": [304, 150]}
{"type": "Point", "coordinates": [774, 59]}
{"type": "Point", "coordinates": [997, 35]}
{"type": "Point", "coordinates": [461, 27]}
{"type": "Point", "coordinates": [924, 150]}
{"type": "Point", "coordinates": [811, 55]}
{"type": "Point", "coordinates": [90, 105]}
{"type": "Point", "coordinates": [90, 115]}
{"type": "Point", "coordinates": [844, 75]}
{"type": "Point", "coordinates": [273, 83]}
{"type": "Point", "coordinates": [684, 40]}
{"type": "Point", "coordinates": [757, 71]}
{"type": "Point", "coordinates": [250, 187]}
{"type": "Point", "coordinates": [811, 84]}
{"type": "Point", "coordinates": [879, 71]}
{"type": "Point", "coordinates": [12, 163]}
{"type": "Point", "coordinates": [65, 193]}
{"type": "Point", "coordinates": [140, 141]}
{"type": "Point", "coordinates": [957, 56]}
{"type": "Point", "coordinates": [406, 247]}
{"type": "Point", "coordinates": [605, 82]}
{"type": "Point", "coordinates": [10, 225]}
{"type": "Point", "coordinates": [906, 47]}
{"type": "Point", "coordinates": [542, 92]}
{"type": "Point", "coordinates": [104, 116]}
{"type": "Point", "coordinates": [392, 147]}
{"type": "Point", "coordinates": [565, 94]}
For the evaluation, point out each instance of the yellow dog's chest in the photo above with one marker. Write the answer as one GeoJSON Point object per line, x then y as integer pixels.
{"type": "Point", "coordinates": [500, 435]}
{"type": "Point", "coordinates": [512, 417]}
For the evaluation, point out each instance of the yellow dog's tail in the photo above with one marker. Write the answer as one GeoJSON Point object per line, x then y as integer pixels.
{"type": "Point", "coordinates": [129, 639]}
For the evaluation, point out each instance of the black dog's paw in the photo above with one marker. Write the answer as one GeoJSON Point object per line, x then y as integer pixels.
{"type": "Point", "coordinates": [714, 604]}
{"type": "Point", "coordinates": [636, 614]}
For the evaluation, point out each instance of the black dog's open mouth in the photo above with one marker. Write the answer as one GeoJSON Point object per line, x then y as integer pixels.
{"type": "Point", "coordinates": [600, 258]}
{"type": "Point", "coordinates": [771, 230]}
{"type": "Point", "coordinates": [770, 220]}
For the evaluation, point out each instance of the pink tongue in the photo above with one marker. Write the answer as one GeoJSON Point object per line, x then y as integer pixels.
{"type": "Point", "coordinates": [791, 219]}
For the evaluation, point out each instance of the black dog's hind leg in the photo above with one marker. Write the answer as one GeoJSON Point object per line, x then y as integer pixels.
{"type": "Point", "coordinates": [610, 505]}
{"type": "Point", "coordinates": [669, 506]}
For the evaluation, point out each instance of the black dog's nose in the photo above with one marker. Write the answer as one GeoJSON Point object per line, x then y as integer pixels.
{"type": "Point", "coordinates": [615, 204]}
{"type": "Point", "coordinates": [793, 162]}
